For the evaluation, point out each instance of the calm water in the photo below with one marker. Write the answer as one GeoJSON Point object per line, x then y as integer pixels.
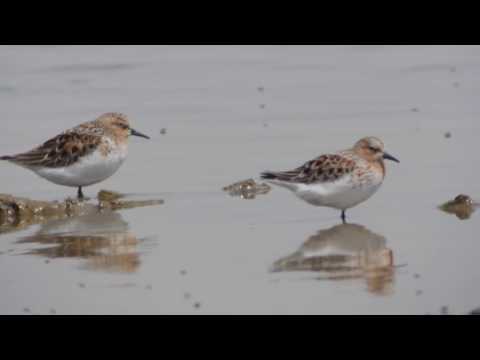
{"type": "Point", "coordinates": [231, 112]}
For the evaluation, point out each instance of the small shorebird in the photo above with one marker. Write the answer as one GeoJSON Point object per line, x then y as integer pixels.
{"type": "Point", "coordinates": [341, 180]}
{"type": "Point", "coordinates": [82, 156]}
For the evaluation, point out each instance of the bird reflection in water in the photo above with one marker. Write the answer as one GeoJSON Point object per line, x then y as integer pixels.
{"type": "Point", "coordinates": [103, 239]}
{"type": "Point", "coordinates": [346, 251]}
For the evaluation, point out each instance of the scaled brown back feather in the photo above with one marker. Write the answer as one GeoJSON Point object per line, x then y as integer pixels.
{"type": "Point", "coordinates": [62, 150]}
{"type": "Point", "coordinates": [325, 168]}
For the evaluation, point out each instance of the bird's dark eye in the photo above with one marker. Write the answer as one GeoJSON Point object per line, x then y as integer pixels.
{"type": "Point", "coordinates": [371, 148]}
{"type": "Point", "coordinates": [123, 126]}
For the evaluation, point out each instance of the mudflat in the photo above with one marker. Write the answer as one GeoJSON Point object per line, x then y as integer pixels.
{"type": "Point", "coordinates": [217, 115]}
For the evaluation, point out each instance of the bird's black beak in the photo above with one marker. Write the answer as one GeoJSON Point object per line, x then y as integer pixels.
{"type": "Point", "coordinates": [389, 157]}
{"type": "Point", "coordinates": [136, 133]}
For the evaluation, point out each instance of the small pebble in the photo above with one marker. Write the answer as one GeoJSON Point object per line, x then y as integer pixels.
{"type": "Point", "coordinates": [183, 272]}
{"type": "Point", "coordinates": [262, 106]}
{"type": "Point", "coordinates": [47, 261]}
{"type": "Point", "coordinates": [148, 287]}
{"type": "Point", "coordinates": [418, 292]}
{"type": "Point", "coordinates": [27, 310]}
{"type": "Point", "coordinates": [53, 311]}
{"type": "Point", "coordinates": [456, 84]}
{"type": "Point", "coordinates": [82, 285]}
{"type": "Point", "coordinates": [163, 131]}
{"type": "Point", "coordinates": [197, 305]}
{"type": "Point", "coordinates": [448, 135]}
{"type": "Point", "coordinates": [444, 310]}
{"type": "Point", "coordinates": [187, 296]}
{"type": "Point", "coordinates": [414, 109]}
{"type": "Point", "coordinates": [260, 88]}
{"type": "Point", "coordinates": [475, 312]}
{"type": "Point", "coordinates": [453, 69]}
{"type": "Point", "coordinates": [416, 276]}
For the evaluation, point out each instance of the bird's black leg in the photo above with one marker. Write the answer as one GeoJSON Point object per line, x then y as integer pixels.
{"type": "Point", "coordinates": [343, 217]}
{"type": "Point", "coordinates": [80, 193]}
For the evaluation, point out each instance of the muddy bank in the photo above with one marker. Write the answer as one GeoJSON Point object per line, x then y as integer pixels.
{"type": "Point", "coordinates": [17, 213]}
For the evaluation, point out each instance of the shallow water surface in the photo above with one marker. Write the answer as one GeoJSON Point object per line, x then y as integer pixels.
{"type": "Point", "coordinates": [228, 113]}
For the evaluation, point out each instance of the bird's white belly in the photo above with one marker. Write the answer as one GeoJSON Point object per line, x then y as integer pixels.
{"type": "Point", "coordinates": [341, 194]}
{"type": "Point", "coordinates": [340, 198]}
{"type": "Point", "coordinates": [89, 170]}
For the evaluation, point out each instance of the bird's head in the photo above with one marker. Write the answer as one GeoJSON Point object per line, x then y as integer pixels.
{"type": "Point", "coordinates": [372, 149]}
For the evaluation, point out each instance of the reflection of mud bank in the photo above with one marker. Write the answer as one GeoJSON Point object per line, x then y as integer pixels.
{"type": "Point", "coordinates": [345, 251]}
{"type": "Point", "coordinates": [103, 239]}
{"type": "Point", "coordinates": [19, 213]}
{"type": "Point", "coordinates": [247, 189]}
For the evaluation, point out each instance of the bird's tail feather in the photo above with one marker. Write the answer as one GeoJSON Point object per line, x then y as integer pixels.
{"type": "Point", "coordinates": [268, 175]}
{"type": "Point", "coordinates": [279, 175]}
{"type": "Point", "coordinates": [278, 178]}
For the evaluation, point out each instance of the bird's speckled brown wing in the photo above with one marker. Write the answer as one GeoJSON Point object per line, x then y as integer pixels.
{"type": "Point", "coordinates": [62, 150]}
{"type": "Point", "coordinates": [325, 168]}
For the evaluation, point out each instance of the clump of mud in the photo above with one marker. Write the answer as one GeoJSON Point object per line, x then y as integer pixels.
{"type": "Point", "coordinates": [462, 206]}
{"type": "Point", "coordinates": [17, 213]}
{"type": "Point", "coordinates": [247, 189]}
{"type": "Point", "coordinates": [112, 200]}
{"type": "Point", "coordinates": [108, 196]}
